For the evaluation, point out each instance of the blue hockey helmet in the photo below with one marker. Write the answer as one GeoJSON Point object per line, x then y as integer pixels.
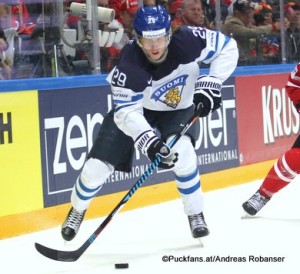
{"type": "Point", "coordinates": [152, 22]}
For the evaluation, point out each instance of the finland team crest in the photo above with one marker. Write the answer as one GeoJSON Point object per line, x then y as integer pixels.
{"type": "Point", "coordinates": [170, 93]}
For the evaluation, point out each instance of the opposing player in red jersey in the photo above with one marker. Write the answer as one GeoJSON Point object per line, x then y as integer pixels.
{"type": "Point", "coordinates": [287, 166]}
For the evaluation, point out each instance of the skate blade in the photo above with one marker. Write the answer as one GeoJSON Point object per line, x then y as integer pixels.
{"type": "Point", "coordinates": [68, 243]}
{"type": "Point", "coordinates": [200, 243]}
{"type": "Point", "coordinates": [246, 215]}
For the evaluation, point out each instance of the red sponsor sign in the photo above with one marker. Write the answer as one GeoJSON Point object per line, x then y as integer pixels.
{"type": "Point", "coordinates": [267, 121]}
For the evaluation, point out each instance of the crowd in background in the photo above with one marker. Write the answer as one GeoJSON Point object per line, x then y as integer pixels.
{"type": "Point", "coordinates": [255, 25]}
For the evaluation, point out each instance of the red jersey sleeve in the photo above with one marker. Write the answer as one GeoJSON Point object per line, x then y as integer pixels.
{"type": "Point", "coordinates": [293, 85]}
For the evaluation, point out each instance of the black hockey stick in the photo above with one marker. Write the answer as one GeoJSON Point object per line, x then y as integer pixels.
{"type": "Point", "coordinates": [71, 256]}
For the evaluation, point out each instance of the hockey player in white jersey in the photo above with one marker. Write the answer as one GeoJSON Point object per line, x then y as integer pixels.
{"type": "Point", "coordinates": [156, 87]}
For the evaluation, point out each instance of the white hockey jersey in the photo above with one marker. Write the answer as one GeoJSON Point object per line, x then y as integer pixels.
{"type": "Point", "coordinates": [136, 83]}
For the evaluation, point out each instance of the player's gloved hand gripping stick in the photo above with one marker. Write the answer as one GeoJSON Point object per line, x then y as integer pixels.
{"type": "Point", "coordinates": [71, 256]}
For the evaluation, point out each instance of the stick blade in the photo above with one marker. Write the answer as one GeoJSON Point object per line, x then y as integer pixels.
{"type": "Point", "coordinates": [58, 255]}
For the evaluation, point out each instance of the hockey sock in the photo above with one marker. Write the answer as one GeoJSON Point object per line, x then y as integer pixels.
{"type": "Point", "coordinates": [187, 177]}
{"type": "Point", "coordinates": [89, 182]}
{"type": "Point", "coordinates": [282, 173]}
{"type": "Point", "coordinates": [190, 191]}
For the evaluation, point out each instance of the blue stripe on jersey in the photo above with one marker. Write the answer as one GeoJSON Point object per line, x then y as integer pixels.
{"type": "Point", "coordinates": [211, 53]}
{"type": "Point", "coordinates": [187, 178]}
{"type": "Point", "coordinates": [137, 97]}
{"type": "Point", "coordinates": [227, 39]}
{"type": "Point", "coordinates": [190, 189]}
{"type": "Point", "coordinates": [123, 106]}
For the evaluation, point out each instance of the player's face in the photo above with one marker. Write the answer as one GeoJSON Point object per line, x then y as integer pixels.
{"type": "Point", "coordinates": [154, 48]}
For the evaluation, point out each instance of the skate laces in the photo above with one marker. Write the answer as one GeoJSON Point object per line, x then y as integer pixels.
{"type": "Point", "coordinates": [257, 201]}
{"type": "Point", "coordinates": [197, 221]}
{"type": "Point", "coordinates": [74, 219]}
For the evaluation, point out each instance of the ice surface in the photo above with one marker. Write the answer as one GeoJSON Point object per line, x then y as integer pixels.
{"type": "Point", "coordinates": [143, 237]}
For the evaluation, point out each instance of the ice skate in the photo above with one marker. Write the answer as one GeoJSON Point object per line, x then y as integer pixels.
{"type": "Point", "coordinates": [255, 203]}
{"type": "Point", "coordinates": [72, 223]}
{"type": "Point", "coordinates": [198, 226]}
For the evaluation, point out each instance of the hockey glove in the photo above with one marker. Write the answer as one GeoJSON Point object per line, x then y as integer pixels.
{"type": "Point", "coordinates": [207, 95]}
{"type": "Point", "coordinates": [152, 146]}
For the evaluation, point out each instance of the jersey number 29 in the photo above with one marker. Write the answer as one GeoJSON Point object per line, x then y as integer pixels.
{"type": "Point", "coordinates": [119, 78]}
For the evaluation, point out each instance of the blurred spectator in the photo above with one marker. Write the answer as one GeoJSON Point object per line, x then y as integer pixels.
{"type": "Point", "coordinates": [295, 19]}
{"type": "Point", "coordinates": [3, 15]}
{"type": "Point", "coordinates": [289, 11]}
{"type": "Point", "coordinates": [263, 14]}
{"type": "Point", "coordinates": [103, 3]}
{"type": "Point", "coordinates": [5, 69]}
{"type": "Point", "coordinates": [20, 14]}
{"type": "Point", "coordinates": [115, 5]}
{"type": "Point", "coordinates": [268, 46]}
{"type": "Point", "coordinates": [163, 3]}
{"type": "Point", "coordinates": [190, 13]}
{"type": "Point", "coordinates": [239, 26]}
{"type": "Point", "coordinates": [225, 4]}
{"type": "Point", "coordinates": [293, 33]}
{"type": "Point", "coordinates": [127, 13]}
{"type": "Point", "coordinates": [151, 2]}
{"type": "Point", "coordinates": [208, 7]}
{"type": "Point", "coordinates": [174, 8]}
